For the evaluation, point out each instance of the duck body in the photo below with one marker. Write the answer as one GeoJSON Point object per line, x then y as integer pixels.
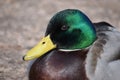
{"type": "Point", "coordinates": [103, 58]}
{"type": "Point", "coordinates": [74, 48]}
{"type": "Point", "coordinates": [59, 65]}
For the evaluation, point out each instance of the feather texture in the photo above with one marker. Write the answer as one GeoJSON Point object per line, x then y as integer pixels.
{"type": "Point", "coordinates": [103, 58]}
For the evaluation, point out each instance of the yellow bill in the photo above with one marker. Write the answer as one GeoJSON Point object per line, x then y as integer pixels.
{"type": "Point", "coordinates": [40, 49]}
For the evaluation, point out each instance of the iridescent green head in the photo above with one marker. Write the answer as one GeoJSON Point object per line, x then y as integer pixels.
{"type": "Point", "coordinates": [68, 30]}
{"type": "Point", "coordinates": [71, 29]}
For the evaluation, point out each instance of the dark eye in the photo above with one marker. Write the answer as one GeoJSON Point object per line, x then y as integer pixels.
{"type": "Point", "coordinates": [64, 27]}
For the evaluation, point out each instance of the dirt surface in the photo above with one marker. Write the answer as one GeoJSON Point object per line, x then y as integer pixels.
{"type": "Point", "coordinates": [23, 23]}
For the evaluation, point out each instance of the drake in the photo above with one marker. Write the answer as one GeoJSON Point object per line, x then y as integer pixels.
{"type": "Point", "coordinates": [74, 48]}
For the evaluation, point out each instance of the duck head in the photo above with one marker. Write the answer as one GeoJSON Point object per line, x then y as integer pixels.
{"type": "Point", "coordinates": [69, 30]}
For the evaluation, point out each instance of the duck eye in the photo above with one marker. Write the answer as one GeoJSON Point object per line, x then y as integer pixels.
{"type": "Point", "coordinates": [64, 27]}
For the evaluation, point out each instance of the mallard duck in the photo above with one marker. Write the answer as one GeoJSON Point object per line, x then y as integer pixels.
{"type": "Point", "coordinates": [74, 48]}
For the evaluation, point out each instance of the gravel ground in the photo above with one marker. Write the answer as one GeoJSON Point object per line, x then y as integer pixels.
{"type": "Point", "coordinates": [23, 23]}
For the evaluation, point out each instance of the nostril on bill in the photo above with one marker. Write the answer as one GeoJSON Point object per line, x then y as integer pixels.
{"type": "Point", "coordinates": [43, 42]}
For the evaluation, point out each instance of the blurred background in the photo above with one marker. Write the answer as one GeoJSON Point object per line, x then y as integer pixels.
{"type": "Point", "coordinates": [23, 23]}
